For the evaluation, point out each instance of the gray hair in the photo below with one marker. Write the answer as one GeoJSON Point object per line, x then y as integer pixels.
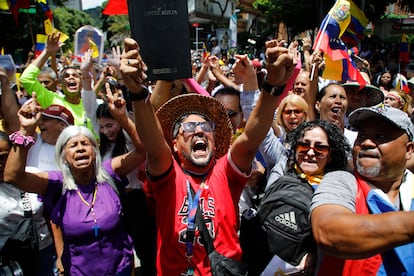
{"type": "Point", "coordinates": [50, 71]}
{"type": "Point", "coordinates": [68, 180]}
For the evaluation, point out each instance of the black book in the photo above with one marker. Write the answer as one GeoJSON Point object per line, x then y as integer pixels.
{"type": "Point", "coordinates": [162, 30]}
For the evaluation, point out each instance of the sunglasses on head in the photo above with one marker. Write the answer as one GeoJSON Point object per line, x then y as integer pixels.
{"type": "Point", "coordinates": [292, 111]}
{"type": "Point", "coordinates": [321, 151]}
{"type": "Point", "coordinates": [190, 127]}
{"type": "Point", "coordinates": [232, 113]}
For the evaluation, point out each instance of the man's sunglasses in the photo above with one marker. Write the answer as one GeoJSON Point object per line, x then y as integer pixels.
{"type": "Point", "coordinates": [190, 127]}
{"type": "Point", "coordinates": [321, 151]}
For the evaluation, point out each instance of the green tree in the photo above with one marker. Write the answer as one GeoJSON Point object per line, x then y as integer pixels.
{"type": "Point", "coordinates": [117, 28]}
{"type": "Point", "coordinates": [300, 15]}
{"type": "Point", "coordinates": [68, 21]}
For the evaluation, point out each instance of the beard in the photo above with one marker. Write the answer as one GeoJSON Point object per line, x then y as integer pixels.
{"type": "Point", "coordinates": [369, 172]}
{"type": "Point", "coordinates": [198, 162]}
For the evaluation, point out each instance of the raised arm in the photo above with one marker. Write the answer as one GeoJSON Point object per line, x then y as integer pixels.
{"type": "Point", "coordinates": [9, 105]}
{"type": "Point", "coordinates": [280, 66]}
{"type": "Point", "coordinates": [133, 68]}
{"type": "Point", "coordinates": [125, 163]}
{"type": "Point", "coordinates": [52, 47]}
{"type": "Point", "coordinates": [14, 171]}
{"type": "Point", "coordinates": [218, 73]}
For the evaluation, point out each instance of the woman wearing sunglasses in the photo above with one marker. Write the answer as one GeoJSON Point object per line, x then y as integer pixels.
{"type": "Point", "coordinates": [316, 147]}
{"type": "Point", "coordinates": [293, 110]}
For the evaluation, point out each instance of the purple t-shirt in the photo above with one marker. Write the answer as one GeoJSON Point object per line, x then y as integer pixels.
{"type": "Point", "coordinates": [84, 253]}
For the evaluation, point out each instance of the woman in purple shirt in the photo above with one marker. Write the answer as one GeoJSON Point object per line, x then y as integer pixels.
{"type": "Point", "coordinates": [83, 194]}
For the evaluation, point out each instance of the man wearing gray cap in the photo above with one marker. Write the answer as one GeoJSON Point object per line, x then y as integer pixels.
{"type": "Point", "coordinates": [361, 221]}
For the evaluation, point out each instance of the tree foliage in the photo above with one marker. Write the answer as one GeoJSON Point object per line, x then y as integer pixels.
{"type": "Point", "coordinates": [300, 15]}
{"type": "Point", "coordinates": [69, 20]}
{"type": "Point", "coordinates": [118, 28]}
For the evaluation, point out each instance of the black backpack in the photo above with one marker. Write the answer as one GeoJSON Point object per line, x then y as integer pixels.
{"type": "Point", "coordinates": [280, 226]}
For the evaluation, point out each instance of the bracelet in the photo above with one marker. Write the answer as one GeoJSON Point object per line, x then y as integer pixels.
{"type": "Point", "coordinates": [16, 138]}
{"type": "Point", "coordinates": [134, 97]}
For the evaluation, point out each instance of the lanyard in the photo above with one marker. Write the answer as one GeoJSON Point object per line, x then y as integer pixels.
{"type": "Point", "coordinates": [192, 210]}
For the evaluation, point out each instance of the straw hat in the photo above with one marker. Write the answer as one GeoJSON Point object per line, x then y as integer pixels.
{"type": "Point", "coordinates": [375, 95]}
{"type": "Point", "coordinates": [170, 112]}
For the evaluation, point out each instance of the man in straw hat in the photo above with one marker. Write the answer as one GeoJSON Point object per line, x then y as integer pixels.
{"type": "Point", "coordinates": [206, 172]}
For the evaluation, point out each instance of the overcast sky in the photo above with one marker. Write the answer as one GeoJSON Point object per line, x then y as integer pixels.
{"type": "Point", "coordinates": [89, 4]}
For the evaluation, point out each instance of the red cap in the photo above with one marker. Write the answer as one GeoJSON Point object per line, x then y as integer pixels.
{"type": "Point", "coordinates": [256, 63]}
{"type": "Point", "coordinates": [59, 112]}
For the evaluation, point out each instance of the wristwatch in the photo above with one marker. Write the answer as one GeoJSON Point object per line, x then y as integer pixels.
{"type": "Point", "coordinates": [138, 96]}
{"type": "Point", "coordinates": [272, 90]}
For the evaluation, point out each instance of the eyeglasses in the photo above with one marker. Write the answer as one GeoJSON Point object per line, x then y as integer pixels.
{"type": "Point", "coordinates": [190, 127]}
{"type": "Point", "coordinates": [293, 111]}
{"type": "Point", "coordinates": [232, 113]}
{"type": "Point", "coordinates": [321, 151]}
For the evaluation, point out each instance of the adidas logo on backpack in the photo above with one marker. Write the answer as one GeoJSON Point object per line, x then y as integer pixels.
{"type": "Point", "coordinates": [281, 225]}
{"type": "Point", "coordinates": [287, 219]}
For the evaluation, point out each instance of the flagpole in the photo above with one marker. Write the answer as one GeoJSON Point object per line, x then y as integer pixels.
{"type": "Point", "coordinates": [318, 43]}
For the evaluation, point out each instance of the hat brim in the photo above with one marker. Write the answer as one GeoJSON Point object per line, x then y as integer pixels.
{"type": "Point", "coordinates": [375, 95]}
{"type": "Point", "coordinates": [56, 117]}
{"type": "Point", "coordinates": [366, 113]}
{"type": "Point", "coordinates": [169, 113]}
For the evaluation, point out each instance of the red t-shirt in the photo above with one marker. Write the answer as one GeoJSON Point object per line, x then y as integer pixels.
{"type": "Point", "coordinates": [218, 201]}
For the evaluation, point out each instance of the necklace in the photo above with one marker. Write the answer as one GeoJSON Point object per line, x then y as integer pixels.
{"type": "Point", "coordinates": [95, 227]}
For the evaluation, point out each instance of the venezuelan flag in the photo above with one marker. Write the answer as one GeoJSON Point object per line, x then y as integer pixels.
{"type": "Point", "coordinates": [342, 70]}
{"type": "Point", "coordinates": [404, 55]}
{"type": "Point", "coordinates": [332, 27]}
{"type": "Point", "coordinates": [358, 19]}
{"type": "Point", "coordinates": [338, 63]}
{"type": "Point", "coordinates": [45, 7]}
{"type": "Point", "coordinates": [41, 40]}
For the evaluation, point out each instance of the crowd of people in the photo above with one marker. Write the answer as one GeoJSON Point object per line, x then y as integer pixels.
{"type": "Point", "coordinates": [119, 169]}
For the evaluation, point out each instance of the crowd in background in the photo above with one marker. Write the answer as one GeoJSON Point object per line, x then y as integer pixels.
{"type": "Point", "coordinates": [74, 138]}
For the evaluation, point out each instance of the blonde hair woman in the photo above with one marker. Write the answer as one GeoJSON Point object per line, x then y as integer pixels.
{"type": "Point", "coordinates": [292, 111]}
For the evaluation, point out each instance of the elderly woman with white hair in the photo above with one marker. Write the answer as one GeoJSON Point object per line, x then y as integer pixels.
{"type": "Point", "coordinates": [85, 199]}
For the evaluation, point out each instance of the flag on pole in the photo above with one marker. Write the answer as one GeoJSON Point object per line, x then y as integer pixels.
{"type": "Point", "coordinates": [402, 83]}
{"type": "Point", "coordinates": [356, 27]}
{"type": "Point", "coordinates": [332, 27]}
{"type": "Point", "coordinates": [358, 20]}
{"type": "Point", "coordinates": [45, 7]}
{"type": "Point", "coordinates": [330, 43]}
{"type": "Point", "coordinates": [41, 41]}
{"type": "Point", "coordinates": [404, 55]}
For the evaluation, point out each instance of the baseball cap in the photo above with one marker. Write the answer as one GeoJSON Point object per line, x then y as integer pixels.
{"type": "Point", "coordinates": [393, 115]}
{"type": "Point", "coordinates": [59, 112]}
